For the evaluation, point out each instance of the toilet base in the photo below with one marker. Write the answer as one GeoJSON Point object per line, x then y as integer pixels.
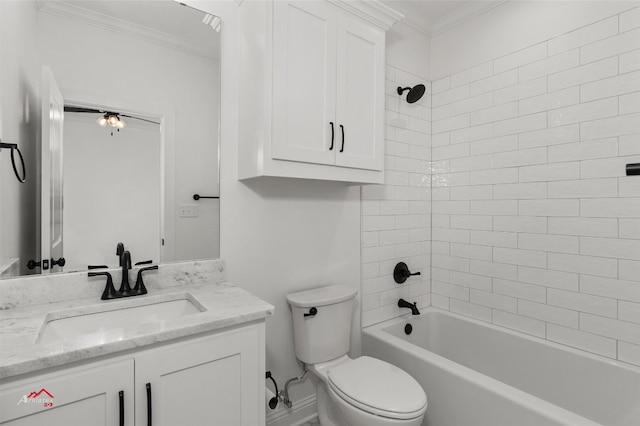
{"type": "Point", "coordinates": [334, 411]}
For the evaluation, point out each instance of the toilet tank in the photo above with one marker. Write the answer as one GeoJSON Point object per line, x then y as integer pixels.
{"type": "Point", "coordinates": [327, 334]}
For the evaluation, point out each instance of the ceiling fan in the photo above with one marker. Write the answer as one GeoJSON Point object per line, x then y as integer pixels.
{"type": "Point", "coordinates": [107, 118]}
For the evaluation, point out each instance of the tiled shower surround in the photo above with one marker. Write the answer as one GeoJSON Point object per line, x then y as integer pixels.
{"type": "Point", "coordinates": [396, 215]}
{"type": "Point", "coordinates": [534, 225]}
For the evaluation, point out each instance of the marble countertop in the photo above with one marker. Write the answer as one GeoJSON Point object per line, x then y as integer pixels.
{"type": "Point", "coordinates": [226, 305]}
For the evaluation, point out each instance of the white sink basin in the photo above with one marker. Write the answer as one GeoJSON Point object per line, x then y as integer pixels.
{"type": "Point", "coordinates": [120, 314]}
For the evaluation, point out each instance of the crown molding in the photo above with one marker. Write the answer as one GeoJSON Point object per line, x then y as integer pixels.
{"type": "Point", "coordinates": [372, 11]}
{"type": "Point", "coordinates": [99, 20]}
{"type": "Point", "coordinates": [462, 15]}
{"type": "Point", "coordinates": [452, 19]}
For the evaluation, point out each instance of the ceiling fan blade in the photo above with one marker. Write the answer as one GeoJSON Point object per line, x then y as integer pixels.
{"type": "Point", "coordinates": [81, 109]}
{"type": "Point", "coordinates": [138, 118]}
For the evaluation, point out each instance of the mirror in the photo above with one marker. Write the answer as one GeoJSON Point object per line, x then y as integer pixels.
{"type": "Point", "coordinates": [156, 64]}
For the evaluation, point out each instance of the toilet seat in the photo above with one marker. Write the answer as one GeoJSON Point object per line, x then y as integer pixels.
{"type": "Point", "coordinates": [378, 387]}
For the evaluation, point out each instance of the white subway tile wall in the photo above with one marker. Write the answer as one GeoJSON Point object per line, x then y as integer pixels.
{"type": "Point", "coordinates": [509, 195]}
{"type": "Point", "coordinates": [396, 216]}
{"type": "Point", "coordinates": [539, 231]}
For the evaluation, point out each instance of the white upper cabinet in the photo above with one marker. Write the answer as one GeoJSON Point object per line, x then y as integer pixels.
{"type": "Point", "coordinates": [360, 95]}
{"type": "Point", "coordinates": [304, 82]}
{"type": "Point", "coordinates": [318, 79]}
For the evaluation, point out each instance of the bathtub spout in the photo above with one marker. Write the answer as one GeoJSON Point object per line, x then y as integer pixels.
{"type": "Point", "coordinates": [404, 304]}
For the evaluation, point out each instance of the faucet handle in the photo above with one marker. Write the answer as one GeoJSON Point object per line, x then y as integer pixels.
{"type": "Point", "coordinates": [139, 287]}
{"type": "Point", "coordinates": [109, 290]}
{"type": "Point", "coordinates": [401, 273]}
{"type": "Point", "coordinates": [144, 262]}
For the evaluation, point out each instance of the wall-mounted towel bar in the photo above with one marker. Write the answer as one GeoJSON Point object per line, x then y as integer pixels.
{"type": "Point", "coordinates": [197, 197]}
{"type": "Point", "coordinates": [633, 169]}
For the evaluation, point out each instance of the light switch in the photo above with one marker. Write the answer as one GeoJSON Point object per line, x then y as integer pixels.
{"type": "Point", "coordinates": [188, 210]}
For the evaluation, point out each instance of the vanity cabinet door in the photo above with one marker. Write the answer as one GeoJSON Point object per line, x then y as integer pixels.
{"type": "Point", "coordinates": [83, 396]}
{"type": "Point", "coordinates": [304, 82]}
{"type": "Point", "coordinates": [212, 380]}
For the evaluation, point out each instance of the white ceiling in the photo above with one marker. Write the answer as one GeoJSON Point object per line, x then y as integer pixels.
{"type": "Point", "coordinates": [430, 17]}
{"type": "Point", "coordinates": [164, 21]}
{"type": "Point", "coordinates": [167, 16]}
{"type": "Point", "coordinates": [433, 17]}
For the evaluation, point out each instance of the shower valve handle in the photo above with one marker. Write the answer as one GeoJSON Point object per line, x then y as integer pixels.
{"type": "Point", "coordinates": [401, 273]}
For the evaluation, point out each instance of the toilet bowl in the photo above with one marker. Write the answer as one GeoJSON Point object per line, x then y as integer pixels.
{"type": "Point", "coordinates": [367, 392]}
{"type": "Point", "coordinates": [349, 392]}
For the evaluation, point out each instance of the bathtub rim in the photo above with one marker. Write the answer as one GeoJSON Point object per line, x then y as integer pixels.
{"type": "Point", "coordinates": [408, 317]}
{"type": "Point", "coordinates": [514, 395]}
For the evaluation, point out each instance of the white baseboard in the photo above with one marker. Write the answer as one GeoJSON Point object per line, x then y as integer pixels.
{"type": "Point", "coordinates": [301, 411]}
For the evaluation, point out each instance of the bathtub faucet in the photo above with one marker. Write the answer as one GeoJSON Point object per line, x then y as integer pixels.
{"type": "Point", "coordinates": [404, 304]}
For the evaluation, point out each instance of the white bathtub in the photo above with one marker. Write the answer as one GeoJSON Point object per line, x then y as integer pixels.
{"type": "Point", "coordinates": [476, 374]}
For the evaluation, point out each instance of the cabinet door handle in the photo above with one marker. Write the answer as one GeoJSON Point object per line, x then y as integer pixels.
{"type": "Point", "coordinates": [342, 128]}
{"type": "Point", "coordinates": [121, 397]}
{"type": "Point", "coordinates": [148, 404]}
{"type": "Point", "coordinates": [332, 136]}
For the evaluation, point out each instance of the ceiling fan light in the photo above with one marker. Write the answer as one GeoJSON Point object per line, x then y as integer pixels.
{"type": "Point", "coordinates": [113, 120]}
{"type": "Point", "coordinates": [102, 121]}
{"type": "Point", "coordinates": [120, 124]}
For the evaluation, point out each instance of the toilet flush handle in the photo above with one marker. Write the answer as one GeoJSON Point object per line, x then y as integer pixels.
{"type": "Point", "coordinates": [312, 312]}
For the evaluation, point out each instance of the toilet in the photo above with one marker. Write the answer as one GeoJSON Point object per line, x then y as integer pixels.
{"type": "Point", "coordinates": [349, 392]}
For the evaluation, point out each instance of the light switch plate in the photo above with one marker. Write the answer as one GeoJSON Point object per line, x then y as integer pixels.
{"type": "Point", "coordinates": [188, 210]}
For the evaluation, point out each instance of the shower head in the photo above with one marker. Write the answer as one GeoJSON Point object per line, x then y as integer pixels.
{"type": "Point", "coordinates": [414, 94]}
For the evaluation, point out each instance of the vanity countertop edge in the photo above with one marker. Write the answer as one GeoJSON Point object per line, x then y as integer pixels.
{"type": "Point", "coordinates": [226, 306]}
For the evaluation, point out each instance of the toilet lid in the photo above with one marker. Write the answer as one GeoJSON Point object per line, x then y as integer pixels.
{"type": "Point", "coordinates": [379, 388]}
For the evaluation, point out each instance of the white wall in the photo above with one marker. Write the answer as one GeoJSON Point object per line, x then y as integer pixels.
{"type": "Point", "coordinates": [535, 226]}
{"type": "Point", "coordinates": [286, 235]}
{"type": "Point", "coordinates": [111, 191]}
{"type": "Point", "coordinates": [512, 26]}
{"type": "Point", "coordinates": [148, 72]}
{"type": "Point", "coordinates": [395, 216]}
{"type": "Point", "coordinates": [19, 123]}
{"type": "Point", "coordinates": [408, 50]}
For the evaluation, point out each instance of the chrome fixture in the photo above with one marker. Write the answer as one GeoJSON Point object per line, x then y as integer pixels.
{"type": "Point", "coordinates": [283, 395]}
{"type": "Point", "coordinates": [415, 92]}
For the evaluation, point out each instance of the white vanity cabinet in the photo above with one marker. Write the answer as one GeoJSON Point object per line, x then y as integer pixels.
{"type": "Point", "coordinates": [85, 396]}
{"type": "Point", "coordinates": [312, 90]}
{"type": "Point", "coordinates": [214, 379]}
